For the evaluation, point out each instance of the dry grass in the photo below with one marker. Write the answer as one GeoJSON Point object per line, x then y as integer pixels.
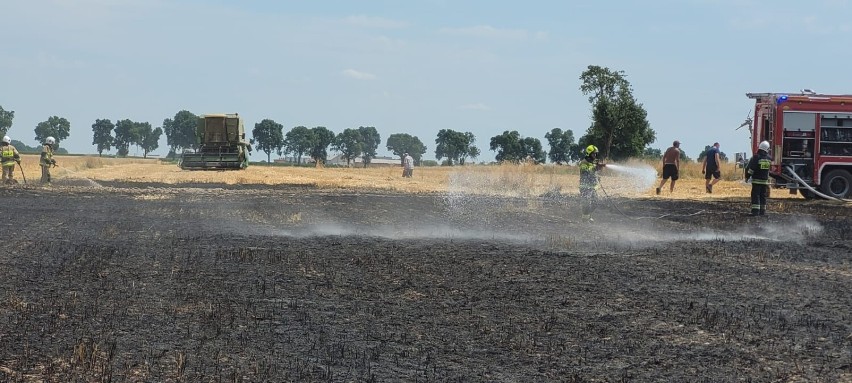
{"type": "Point", "coordinates": [69, 166]}
{"type": "Point", "coordinates": [508, 180]}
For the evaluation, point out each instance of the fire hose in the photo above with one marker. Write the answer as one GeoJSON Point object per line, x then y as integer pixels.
{"type": "Point", "coordinates": [22, 173]}
{"type": "Point", "coordinates": [805, 184]}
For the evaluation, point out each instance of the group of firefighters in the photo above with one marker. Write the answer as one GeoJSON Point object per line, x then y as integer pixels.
{"type": "Point", "coordinates": [757, 170]}
{"type": "Point", "coordinates": [9, 157]}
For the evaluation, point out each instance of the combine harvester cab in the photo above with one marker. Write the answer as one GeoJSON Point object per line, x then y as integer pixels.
{"type": "Point", "coordinates": [810, 138]}
{"type": "Point", "coordinates": [222, 144]}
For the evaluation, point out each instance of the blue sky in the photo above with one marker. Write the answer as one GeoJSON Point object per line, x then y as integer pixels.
{"type": "Point", "coordinates": [414, 66]}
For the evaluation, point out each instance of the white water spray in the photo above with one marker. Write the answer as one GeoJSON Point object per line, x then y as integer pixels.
{"type": "Point", "coordinates": [630, 179]}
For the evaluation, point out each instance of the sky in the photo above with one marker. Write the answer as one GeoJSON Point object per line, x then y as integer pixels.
{"type": "Point", "coordinates": [414, 66]}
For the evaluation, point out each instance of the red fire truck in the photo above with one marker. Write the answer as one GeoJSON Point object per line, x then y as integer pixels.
{"type": "Point", "coordinates": [810, 137]}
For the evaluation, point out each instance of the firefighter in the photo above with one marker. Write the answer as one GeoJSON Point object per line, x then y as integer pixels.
{"type": "Point", "coordinates": [47, 160]}
{"type": "Point", "coordinates": [10, 157]}
{"type": "Point", "coordinates": [758, 170]}
{"type": "Point", "coordinates": [589, 166]}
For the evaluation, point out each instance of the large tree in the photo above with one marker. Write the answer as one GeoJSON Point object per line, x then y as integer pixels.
{"type": "Point", "coordinates": [321, 138]}
{"type": "Point", "coordinates": [102, 135]}
{"type": "Point", "coordinates": [56, 127]}
{"type": "Point", "coordinates": [298, 141]}
{"type": "Point", "coordinates": [349, 144]}
{"type": "Point", "coordinates": [268, 136]}
{"type": "Point", "coordinates": [619, 123]}
{"type": "Point", "coordinates": [6, 117]}
{"type": "Point", "coordinates": [181, 132]}
{"type": "Point", "coordinates": [455, 146]}
{"type": "Point", "coordinates": [563, 149]}
{"type": "Point", "coordinates": [126, 134]}
{"type": "Point", "coordinates": [401, 143]}
{"type": "Point", "coordinates": [370, 141]}
{"type": "Point", "coordinates": [510, 146]}
{"type": "Point", "coordinates": [149, 139]}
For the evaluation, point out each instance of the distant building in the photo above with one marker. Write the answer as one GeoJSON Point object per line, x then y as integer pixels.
{"type": "Point", "coordinates": [292, 160]}
{"type": "Point", "coordinates": [380, 161]}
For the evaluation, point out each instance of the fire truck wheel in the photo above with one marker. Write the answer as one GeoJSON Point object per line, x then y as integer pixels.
{"type": "Point", "coordinates": [837, 183]}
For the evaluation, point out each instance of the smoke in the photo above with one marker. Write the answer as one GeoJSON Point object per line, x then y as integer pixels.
{"type": "Point", "coordinates": [798, 231]}
{"type": "Point", "coordinates": [399, 233]}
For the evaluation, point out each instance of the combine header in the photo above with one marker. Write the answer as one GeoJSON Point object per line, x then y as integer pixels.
{"type": "Point", "coordinates": [222, 144]}
{"type": "Point", "coordinates": [810, 137]}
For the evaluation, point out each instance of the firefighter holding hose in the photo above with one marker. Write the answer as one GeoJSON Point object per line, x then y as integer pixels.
{"type": "Point", "coordinates": [589, 166]}
{"type": "Point", "coordinates": [758, 170]}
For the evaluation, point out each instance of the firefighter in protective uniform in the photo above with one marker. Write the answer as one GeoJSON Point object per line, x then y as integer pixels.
{"type": "Point", "coordinates": [758, 170]}
{"type": "Point", "coordinates": [589, 166]}
{"type": "Point", "coordinates": [47, 160]}
{"type": "Point", "coordinates": [10, 157]}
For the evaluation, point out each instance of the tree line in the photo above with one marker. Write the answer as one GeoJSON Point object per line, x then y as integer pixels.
{"type": "Point", "coordinates": [619, 128]}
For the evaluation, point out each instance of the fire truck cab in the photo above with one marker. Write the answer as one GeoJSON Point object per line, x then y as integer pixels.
{"type": "Point", "coordinates": [810, 137]}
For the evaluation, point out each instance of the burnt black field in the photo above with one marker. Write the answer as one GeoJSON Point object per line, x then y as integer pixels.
{"type": "Point", "coordinates": [154, 283]}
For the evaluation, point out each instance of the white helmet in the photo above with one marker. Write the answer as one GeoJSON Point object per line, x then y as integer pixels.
{"type": "Point", "coordinates": [7, 139]}
{"type": "Point", "coordinates": [51, 141]}
{"type": "Point", "coordinates": [763, 146]}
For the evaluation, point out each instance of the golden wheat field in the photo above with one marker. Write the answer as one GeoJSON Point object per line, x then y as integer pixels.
{"type": "Point", "coordinates": [507, 179]}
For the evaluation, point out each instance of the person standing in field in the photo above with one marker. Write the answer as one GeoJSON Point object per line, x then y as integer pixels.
{"type": "Point", "coordinates": [710, 167]}
{"type": "Point", "coordinates": [758, 170]}
{"type": "Point", "coordinates": [671, 166]}
{"type": "Point", "coordinates": [10, 157]}
{"type": "Point", "coordinates": [407, 165]}
{"type": "Point", "coordinates": [46, 160]}
{"type": "Point", "coordinates": [589, 166]}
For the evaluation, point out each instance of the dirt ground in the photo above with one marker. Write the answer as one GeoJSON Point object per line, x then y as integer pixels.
{"type": "Point", "coordinates": [207, 283]}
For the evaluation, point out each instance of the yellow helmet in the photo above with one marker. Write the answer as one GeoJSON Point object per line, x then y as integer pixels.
{"type": "Point", "coordinates": [591, 149]}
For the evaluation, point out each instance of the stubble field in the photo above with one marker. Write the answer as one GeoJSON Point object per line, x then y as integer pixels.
{"type": "Point", "coordinates": [140, 272]}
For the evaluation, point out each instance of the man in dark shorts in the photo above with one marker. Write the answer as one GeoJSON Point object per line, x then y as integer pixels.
{"type": "Point", "coordinates": [710, 167]}
{"type": "Point", "coordinates": [671, 165]}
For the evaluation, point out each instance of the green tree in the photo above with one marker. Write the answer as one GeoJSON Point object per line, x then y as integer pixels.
{"type": "Point", "coordinates": [268, 136]}
{"type": "Point", "coordinates": [401, 143]}
{"type": "Point", "coordinates": [510, 146]}
{"type": "Point", "coordinates": [56, 127]}
{"type": "Point", "coordinates": [149, 139]}
{"type": "Point", "coordinates": [653, 154]}
{"type": "Point", "coordinates": [370, 141]}
{"type": "Point", "coordinates": [563, 149]}
{"type": "Point", "coordinates": [102, 135]}
{"type": "Point", "coordinates": [126, 134]}
{"type": "Point", "coordinates": [298, 141]}
{"type": "Point", "coordinates": [181, 132]}
{"type": "Point", "coordinates": [6, 117]}
{"type": "Point", "coordinates": [455, 146]}
{"type": "Point", "coordinates": [349, 144]}
{"type": "Point", "coordinates": [533, 150]}
{"type": "Point", "coordinates": [321, 138]}
{"type": "Point", "coordinates": [619, 123]}
{"type": "Point", "coordinates": [684, 158]}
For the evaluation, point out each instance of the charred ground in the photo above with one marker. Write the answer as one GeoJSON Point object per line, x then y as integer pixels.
{"type": "Point", "coordinates": [160, 283]}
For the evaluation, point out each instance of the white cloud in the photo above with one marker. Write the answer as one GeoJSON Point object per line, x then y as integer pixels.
{"type": "Point", "coordinates": [374, 22]}
{"type": "Point", "coordinates": [358, 75]}
{"type": "Point", "coordinates": [475, 106]}
{"type": "Point", "coordinates": [487, 31]}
